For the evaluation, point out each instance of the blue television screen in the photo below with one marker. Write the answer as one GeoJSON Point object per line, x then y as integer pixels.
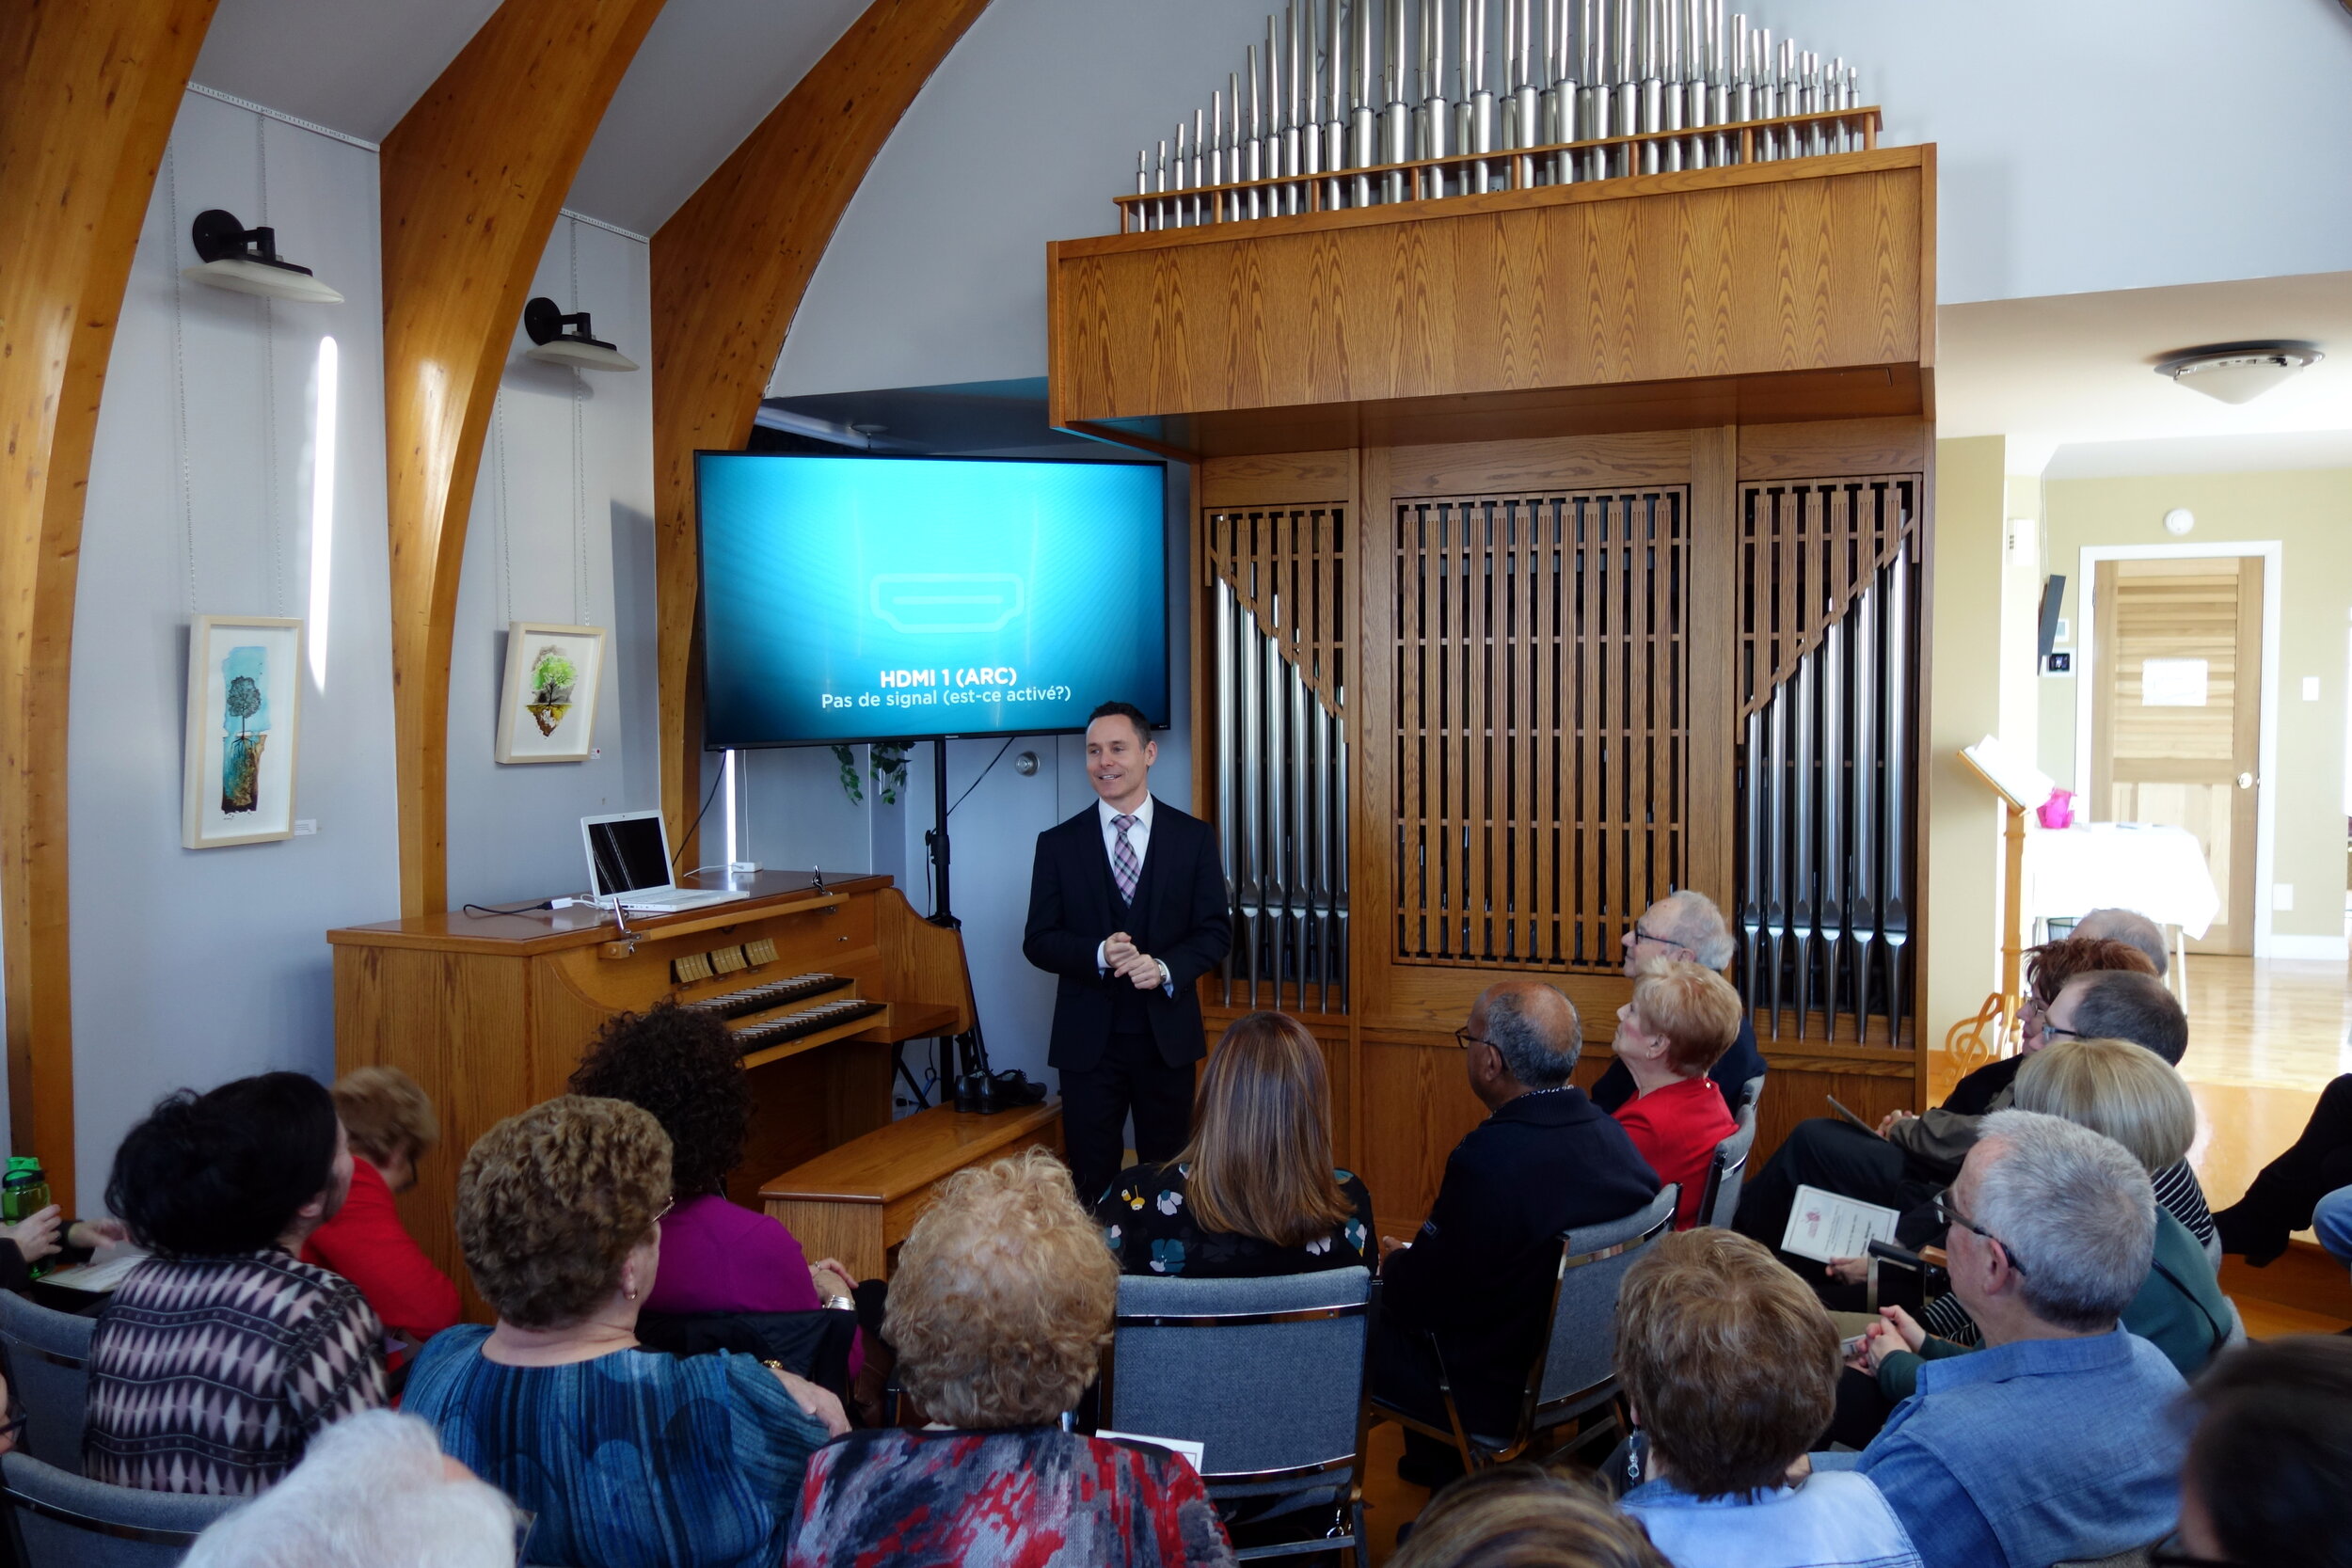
{"type": "Point", "coordinates": [849, 598]}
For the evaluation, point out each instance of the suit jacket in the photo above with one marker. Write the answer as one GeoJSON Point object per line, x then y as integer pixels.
{"type": "Point", "coordinates": [1731, 1074]}
{"type": "Point", "coordinates": [1480, 1273]}
{"type": "Point", "coordinates": [1178, 917]}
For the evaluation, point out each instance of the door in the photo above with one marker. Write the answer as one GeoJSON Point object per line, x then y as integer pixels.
{"type": "Point", "coordinates": [2176, 714]}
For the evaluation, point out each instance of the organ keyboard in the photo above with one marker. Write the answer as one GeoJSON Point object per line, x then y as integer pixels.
{"type": "Point", "coordinates": [759, 999]}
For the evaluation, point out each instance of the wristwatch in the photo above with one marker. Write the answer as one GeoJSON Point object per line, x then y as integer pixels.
{"type": "Point", "coordinates": [842, 1304]}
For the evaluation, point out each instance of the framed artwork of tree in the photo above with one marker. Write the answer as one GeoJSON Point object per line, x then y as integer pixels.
{"type": "Point", "coordinates": [245, 703]}
{"type": "Point", "coordinates": [548, 701]}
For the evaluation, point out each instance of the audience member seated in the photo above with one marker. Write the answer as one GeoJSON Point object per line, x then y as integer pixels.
{"type": "Point", "coordinates": [2092, 987]}
{"type": "Point", "coordinates": [1681, 1020]}
{"type": "Point", "coordinates": [1686, 926]}
{"type": "Point", "coordinates": [1254, 1192]}
{"type": "Point", "coordinates": [374, 1492]}
{"type": "Point", "coordinates": [1524, 1516]}
{"type": "Point", "coordinates": [2055, 1441]}
{"type": "Point", "coordinates": [46, 1235]}
{"type": "Point", "coordinates": [2270, 1465]}
{"type": "Point", "coordinates": [2117, 1089]}
{"type": "Point", "coordinates": [626, 1458]}
{"type": "Point", "coordinates": [1000, 1307]}
{"type": "Point", "coordinates": [717, 1256]}
{"type": "Point", "coordinates": [2129, 927]}
{"type": "Point", "coordinates": [1730, 1365]}
{"type": "Point", "coordinates": [391, 1125]}
{"type": "Point", "coordinates": [2287, 1195]}
{"type": "Point", "coordinates": [219, 1359]}
{"type": "Point", "coordinates": [1479, 1275]}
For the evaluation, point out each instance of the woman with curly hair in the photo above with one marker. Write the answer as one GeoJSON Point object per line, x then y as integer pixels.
{"type": "Point", "coordinates": [628, 1460]}
{"type": "Point", "coordinates": [1000, 1307]}
{"type": "Point", "coordinates": [717, 1256]}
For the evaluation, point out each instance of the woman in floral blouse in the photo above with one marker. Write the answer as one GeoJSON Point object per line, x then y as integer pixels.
{"type": "Point", "coordinates": [1254, 1194]}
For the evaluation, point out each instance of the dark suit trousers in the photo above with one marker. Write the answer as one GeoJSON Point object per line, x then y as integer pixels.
{"type": "Point", "coordinates": [1836, 1157]}
{"type": "Point", "coordinates": [1130, 1076]}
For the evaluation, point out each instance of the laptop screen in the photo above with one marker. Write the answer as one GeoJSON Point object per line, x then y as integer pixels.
{"type": "Point", "coordinates": [628, 855]}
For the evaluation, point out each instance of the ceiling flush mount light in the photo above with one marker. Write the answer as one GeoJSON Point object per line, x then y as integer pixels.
{"type": "Point", "coordinates": [545, 322]}
{"type": "Point", "coordinates": [247, 262]}
{"type": "Point", "coordinates": [2237, 373]}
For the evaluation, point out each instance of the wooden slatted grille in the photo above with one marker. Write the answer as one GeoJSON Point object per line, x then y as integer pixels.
{"type": "Point", "coordinates": [1542, 750]}
{"type": "Point", "coordinates": [1808, 549]}
{"type": "Point", "coordinates": [1276, 582]}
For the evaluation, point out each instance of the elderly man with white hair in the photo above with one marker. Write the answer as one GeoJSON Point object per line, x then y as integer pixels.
{"type": "Point", "coordinates": [1685, 926]}
{"type": "Point", "coordinates": [2055, 1441]}
{"type": "Point", "coordinates": [373, 1491]}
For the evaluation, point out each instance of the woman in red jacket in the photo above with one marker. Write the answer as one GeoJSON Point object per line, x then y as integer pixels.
{"type": "Point", "coordinates": [391, 1124]}
{"type": "Point", "coordinates": [1681, 1019]}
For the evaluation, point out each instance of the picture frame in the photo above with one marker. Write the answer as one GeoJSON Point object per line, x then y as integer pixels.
{"type": "Point", "coordinates": [244, 727]}
{"type": "Point", "coordinates": [547, 698]}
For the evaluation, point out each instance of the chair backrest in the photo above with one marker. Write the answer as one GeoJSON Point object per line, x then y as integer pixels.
{"type": "Point", "coordinates": [61, 1517]}
{"type": "Point", "coordinates": [48, 1354]}
{"type": "Point", "coordinates": [1751, 1091]}
{"type": "Point", "coordinates": [813, 1344]}
{"type": "Point", "coordinates": [1578, 1359]}
{"type": "Point", "coordinates": [1725, 1172]}
{"type": "Point", "coordinates": [1267, 1374]}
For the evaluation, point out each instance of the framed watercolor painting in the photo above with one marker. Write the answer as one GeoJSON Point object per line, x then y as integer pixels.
{"type": "Point", "coordinates": [244, 710]}
{"type": "Point", "coordinates": [548, 701]}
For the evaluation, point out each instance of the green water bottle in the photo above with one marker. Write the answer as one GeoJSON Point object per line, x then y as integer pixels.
{"type": "Point", "coordinates": [23, 1193]}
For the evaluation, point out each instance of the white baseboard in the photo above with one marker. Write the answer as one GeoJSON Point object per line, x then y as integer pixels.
{"type": "Point", "coordinates": [2311, 949]}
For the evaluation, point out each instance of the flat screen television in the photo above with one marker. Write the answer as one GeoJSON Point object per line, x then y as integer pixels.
{"type": "Point", "coordinates": [910, 598]}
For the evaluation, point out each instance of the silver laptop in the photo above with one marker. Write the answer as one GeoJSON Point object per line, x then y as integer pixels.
{"type": "Point", "coordinates": [628, 865]}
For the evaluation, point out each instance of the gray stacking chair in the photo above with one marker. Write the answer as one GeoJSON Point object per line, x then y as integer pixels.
{"type": "Point", "coordinates": [59, 1516]}
{"type": "Point", "coordinates": [1575, 1371]}
{"type": "Point", "coordinates": [1751, 1091]}
{"type": "Point", "coordinates": [1725, 1171]}
{"type": "Point", "coordinates": [47, 1352]}
{"type": "Point", "coordinates": [1268, 1375]}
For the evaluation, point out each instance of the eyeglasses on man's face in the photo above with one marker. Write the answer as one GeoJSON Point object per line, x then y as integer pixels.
{"type": "Point", "coordinates": [1948, 1214]}
{"type": "Point", "coordinates": [1640, 935]}
{"type": "Point", "coordinates": [1464, 1038]}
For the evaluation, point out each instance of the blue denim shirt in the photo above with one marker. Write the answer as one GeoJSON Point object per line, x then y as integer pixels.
{"type": "Point", "coordinates": [1830, 1520]}
{"type": "Point", "coordinates": [2033, 1452]}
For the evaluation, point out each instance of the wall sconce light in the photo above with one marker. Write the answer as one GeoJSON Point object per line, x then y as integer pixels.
{"type": "Point", "coordinates": [2237, 373]}
{"type": "Point", "coordinates": [546, 321]}
{"type": "Point", "coordinates": [246, 261]}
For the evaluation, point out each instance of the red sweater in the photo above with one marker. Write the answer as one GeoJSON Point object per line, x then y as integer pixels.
{"type": "Point", "coordinates": [367, 1245]}
{"type": "Point", "coordinates": [1677, 1128]}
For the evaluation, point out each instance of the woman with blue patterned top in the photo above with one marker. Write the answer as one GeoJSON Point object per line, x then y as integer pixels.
{"type": "Point", "coordinates": [1254, 1194]}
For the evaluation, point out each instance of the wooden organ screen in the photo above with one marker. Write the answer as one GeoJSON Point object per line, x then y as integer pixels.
{"type": "Point", "coordinates": [1541, 733]}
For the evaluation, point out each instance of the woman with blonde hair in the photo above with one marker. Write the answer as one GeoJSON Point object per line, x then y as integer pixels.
{"type": "Point", "coordinates": [1001, 1305]}
{"type": "Point", "coordinates": [390, 1124]}
{"type": "Point", "coordinates": [1254, 1194]}
{"type": "Point", "coordinates": [2134, 1097]}
{"type": "Point", "coordinates": [1679, 1020]}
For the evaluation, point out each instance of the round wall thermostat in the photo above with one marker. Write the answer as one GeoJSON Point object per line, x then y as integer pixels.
{"type": "Point", "coordinates": [2179, 520]}
{"type": "Point", "coordinates": [1026, 764]}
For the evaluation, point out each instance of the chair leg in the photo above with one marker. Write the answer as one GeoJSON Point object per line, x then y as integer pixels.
{"type": "Point", "coordinates": [1356, 1520]}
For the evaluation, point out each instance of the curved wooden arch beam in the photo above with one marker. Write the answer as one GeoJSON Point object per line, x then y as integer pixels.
{"type": "Point", "coordinates": [88, 89]}
{"type": "Point", "coordinates": [472, 178]}
{"type": "Point", "coordinates": [728, 272]}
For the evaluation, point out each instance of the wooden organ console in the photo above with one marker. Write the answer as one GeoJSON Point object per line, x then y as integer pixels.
{"type": "Point", "coordinates": [819, 982]}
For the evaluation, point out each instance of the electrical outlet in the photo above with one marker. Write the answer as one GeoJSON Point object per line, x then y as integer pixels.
{"type": "Point", "coordinates": [2310, 688]}
{"type": "Point", "coordinates": [2282, 896]}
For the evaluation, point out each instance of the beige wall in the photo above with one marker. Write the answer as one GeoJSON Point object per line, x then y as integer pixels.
{"type": "Point", "coordinates": [2309, 512]}
{"type": "Point", "coordinates": [1964, 824]}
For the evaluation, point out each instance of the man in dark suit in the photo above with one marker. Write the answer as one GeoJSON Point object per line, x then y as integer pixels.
{"type": "Point", "coordinates": [1127, 907]}
{"type": "Point", "coordinates": [1686, 925]}
{"type": "Point", "coordinates": [1479, 1275]}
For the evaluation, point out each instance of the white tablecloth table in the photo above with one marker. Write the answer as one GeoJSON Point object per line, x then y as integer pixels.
{"type": "Point", "coordinates": [2159, 871]}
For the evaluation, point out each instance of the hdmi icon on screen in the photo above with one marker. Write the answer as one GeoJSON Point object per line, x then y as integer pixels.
{"type": "Point", "coordinates": [946, 602]}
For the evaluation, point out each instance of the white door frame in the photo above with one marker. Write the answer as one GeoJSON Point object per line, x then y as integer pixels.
{"type": "Point", "coordinates": [2273, 553]}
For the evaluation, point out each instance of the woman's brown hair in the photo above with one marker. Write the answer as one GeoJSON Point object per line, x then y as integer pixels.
{"type": "Point", "coordinates": [1260, 1152]}
{"type": "Point", "coordinates": [2049, 966]}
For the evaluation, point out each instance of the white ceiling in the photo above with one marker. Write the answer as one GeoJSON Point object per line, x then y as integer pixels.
{"type": "Point", "coordinates": [2074, 376]}
{"type": "Point", "coordinates": [707, 72]}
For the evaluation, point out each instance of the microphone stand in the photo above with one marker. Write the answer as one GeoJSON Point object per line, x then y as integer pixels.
{"type": "Point", "coordinates": [975, 1086]}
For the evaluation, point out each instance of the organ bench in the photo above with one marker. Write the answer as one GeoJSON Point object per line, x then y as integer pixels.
{"type": "Point", "coordinates": [820, 979]}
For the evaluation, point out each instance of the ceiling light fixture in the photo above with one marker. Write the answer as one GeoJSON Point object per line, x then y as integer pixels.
{"type": "Point", "coordinates": [246, 261]}
{"type": "Point", "coordinates": [2237, 373]}
{"type": "Point", "coordinates": [546, 321]}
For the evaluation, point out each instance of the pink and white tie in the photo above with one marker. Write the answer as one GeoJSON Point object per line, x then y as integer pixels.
{"type": "Point", "coordinates": [1124, 866]}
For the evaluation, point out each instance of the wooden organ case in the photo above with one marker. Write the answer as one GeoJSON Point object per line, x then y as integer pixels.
{"type": "Point", "coordinates": [1553, 548]}
{"type": "Point", "coordinates": [490, 1014]}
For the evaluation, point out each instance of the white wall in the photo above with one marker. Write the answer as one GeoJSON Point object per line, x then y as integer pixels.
{"type": "Point", "coordinates": [563, 515]}
{"type": "Point", "coordinates": [195, 966]}
{"type": "Point", "coordinates": [2099, 144]}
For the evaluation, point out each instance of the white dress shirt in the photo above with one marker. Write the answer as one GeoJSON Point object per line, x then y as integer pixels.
{"type": "Point", "coordinates": [1139, 840]}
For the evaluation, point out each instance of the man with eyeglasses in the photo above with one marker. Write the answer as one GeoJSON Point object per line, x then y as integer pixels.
{"type": "Point", "coordinates": [1686, 925]}
{"type": "Point", "coordinates": [1912, 1156]}
{"type": "Point", "coordinates": [2055, 1441]}
{"type": "Point", "coordinates": [1479, 1274]}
